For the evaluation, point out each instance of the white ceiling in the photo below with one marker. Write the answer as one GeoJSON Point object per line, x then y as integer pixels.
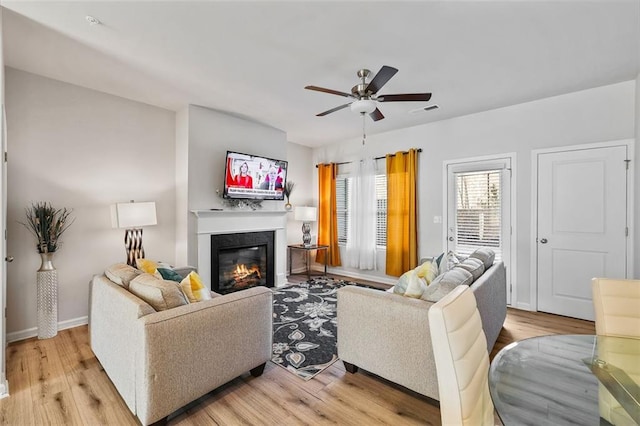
{"type": "Point", "coordinates": [253, 59]}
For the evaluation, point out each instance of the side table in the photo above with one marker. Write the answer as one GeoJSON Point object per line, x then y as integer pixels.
{"type": "Point", "coordinates": [307, 249]}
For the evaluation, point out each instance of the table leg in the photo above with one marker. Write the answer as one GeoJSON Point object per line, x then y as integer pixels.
{"type": "Point", "coordinates": [290, 260]}
{"type": "Point", "coordinates": [308, 267]}
{"type": "Point", "coordinates": [326, 255]}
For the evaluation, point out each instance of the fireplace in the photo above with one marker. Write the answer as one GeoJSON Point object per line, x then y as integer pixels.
{"type": "Point", "coordinates": [242, 260]}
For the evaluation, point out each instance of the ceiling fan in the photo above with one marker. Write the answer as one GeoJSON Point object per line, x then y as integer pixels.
{"type": "Point", "coordinates": [365, 95]}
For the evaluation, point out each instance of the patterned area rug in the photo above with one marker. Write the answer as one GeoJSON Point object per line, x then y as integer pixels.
{"type": "Point", "coordinates": [304, 326]}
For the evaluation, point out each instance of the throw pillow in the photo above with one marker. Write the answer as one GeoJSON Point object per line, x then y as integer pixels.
{"type": "Point", "coordinates": [473, 265]}
{"type": "Point", "coordinates": [427, 271]}
{"type": "Point", "coordinates": [170, 274]}
{"type": "Point", "coordinates": [121, 274]}
{"type": "Point", "coordinates": [149, 267]}
{"type": "Point", "coordinates": [160, 294]}
{"type": "Point", "coordinates": [486, 255]}
{"type": "Point", "coordinates": [447, 262]}
{"type": "Point", "coordinates": [410, 285]}
{"type": "Point", "coordinates": [194, 289]}
{"type": "Point", "coordinates": [445, 283]}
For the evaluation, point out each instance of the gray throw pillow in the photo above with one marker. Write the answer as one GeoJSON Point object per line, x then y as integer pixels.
{"type": "Point", "coordinates": [486, 255]}
{"type": "Point", "coordinates": [473, 265]}
{"type": "Point", "coordinates": [445, 283]}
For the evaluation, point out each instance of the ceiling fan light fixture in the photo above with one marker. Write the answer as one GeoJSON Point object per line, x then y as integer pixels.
{"type": "Point", "coordinates": [363, 106]}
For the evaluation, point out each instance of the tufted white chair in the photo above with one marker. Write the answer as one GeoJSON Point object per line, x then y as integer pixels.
{"type": "Point", "coordinates": [462, 360]}
{"type": "Point", "coordinates": [617, 309]}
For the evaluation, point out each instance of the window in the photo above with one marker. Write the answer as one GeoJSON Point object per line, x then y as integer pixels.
{"type": "Point", "coordinates": [478, 211]}
{"type": "Point", "coordinates": [344, 191]}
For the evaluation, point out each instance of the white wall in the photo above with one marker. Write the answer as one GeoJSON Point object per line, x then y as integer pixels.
{"type": "Point", "coordinates": [84, 150]}
{"type": "Point", "coordinates": [3, 285]}
{"type": "Point", "coordinates": [182, 184]}
{"type": "Point", "coordinates": [595, 115]}
{"type": "Point", "coordinates": [211, 134]}
{"type": "Point", "coordinates": [636, 223]}
{"type": "Point", "coordinates": [301, 171]}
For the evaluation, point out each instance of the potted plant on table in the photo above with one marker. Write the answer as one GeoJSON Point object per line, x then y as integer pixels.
{"type": "Point", "coordinates": [288, 189]}
{"type": "Point", "coordinates": [47, 224]}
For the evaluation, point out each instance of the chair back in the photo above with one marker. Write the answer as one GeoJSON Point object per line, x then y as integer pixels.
{"type": "Point", "coordinates": [462, 360]}
{"type": "Point", "coordinates": [616, 304]}
{"type": "Point", "coordinates": [617, 307]}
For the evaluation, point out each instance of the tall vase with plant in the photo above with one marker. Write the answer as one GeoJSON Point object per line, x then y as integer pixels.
{"type": "Point", "coordinates": [288, 189]}
{"type": "Point", "coordinates": [47, 224]}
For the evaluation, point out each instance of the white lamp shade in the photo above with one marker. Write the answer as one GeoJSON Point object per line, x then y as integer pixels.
{"type": "Point", "coordinates": [133, 215]}
{"type": "Point", "coordinates": [305, 214]}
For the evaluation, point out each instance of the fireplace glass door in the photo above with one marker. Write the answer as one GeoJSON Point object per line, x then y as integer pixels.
{"type": "Point", "coordinates": [242, 268]}
{"type": "Point", "coordinates": [242, 260]}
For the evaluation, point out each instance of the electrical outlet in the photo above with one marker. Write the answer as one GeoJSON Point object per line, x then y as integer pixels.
{"type": "Point", "coordinates": [437, 219]}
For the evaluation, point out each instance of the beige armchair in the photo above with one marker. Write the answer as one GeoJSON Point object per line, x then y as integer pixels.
{"type": "Point", "coordinates": [462, 362]}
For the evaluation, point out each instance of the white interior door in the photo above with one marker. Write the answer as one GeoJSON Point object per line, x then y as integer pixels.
{"type": "Point", "coordinates": [582, 226]}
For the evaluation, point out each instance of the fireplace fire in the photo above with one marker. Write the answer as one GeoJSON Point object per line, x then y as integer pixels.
{"type": "Point", "coordinates": [240, 261]}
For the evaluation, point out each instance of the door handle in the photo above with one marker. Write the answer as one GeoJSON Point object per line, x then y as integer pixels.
{"type": "Point", "coordinates": [450, 238]}
{"type": "Point", "coordinates": [9, 259]}
{"type": "Point", "coordinates": [544, 241]}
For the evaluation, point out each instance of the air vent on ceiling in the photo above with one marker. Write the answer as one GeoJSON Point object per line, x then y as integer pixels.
{"type": "Point", "coordinates": [427, 108]}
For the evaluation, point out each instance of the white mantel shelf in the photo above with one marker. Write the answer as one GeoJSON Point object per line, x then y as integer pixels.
{"type": "Point", "coordinates": [217, 212]}
{"type": "Point", "coordinates": [227, 221]}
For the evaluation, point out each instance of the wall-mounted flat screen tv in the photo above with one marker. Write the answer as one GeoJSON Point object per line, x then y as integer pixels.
{"type": "Point", "coordinates": [254, 177]}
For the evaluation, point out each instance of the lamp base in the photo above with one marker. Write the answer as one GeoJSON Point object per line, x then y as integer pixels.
{"type": "Point", "coordinates": [306, 234]}
{"type": "Point", "coordinates": [133, 246]}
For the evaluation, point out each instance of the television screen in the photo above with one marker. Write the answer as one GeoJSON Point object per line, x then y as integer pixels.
{"type": "Point", "coordinates": [253, 177]}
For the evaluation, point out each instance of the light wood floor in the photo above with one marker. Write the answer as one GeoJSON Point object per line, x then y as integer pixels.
{"type": "Point", "coordinates": [59, 381]}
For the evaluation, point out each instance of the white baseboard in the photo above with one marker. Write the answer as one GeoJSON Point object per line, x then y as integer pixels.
{"type": "Point", "coordinates": [33, 332]}
{"type": "Point", "coordinates": [4, 389]}
{"type": "Point", "coordinates": [523, 307]}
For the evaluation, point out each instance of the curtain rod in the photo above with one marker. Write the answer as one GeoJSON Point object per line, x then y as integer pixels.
{"type": "Point", "coordinates": [377, 158]}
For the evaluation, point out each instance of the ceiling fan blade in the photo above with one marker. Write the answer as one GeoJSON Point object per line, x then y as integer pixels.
{"type": "Point", "coordinates": [409, 97]}
{"type": "Point", "coordinates": [381, 78]}
{"type": "Point", "coordinates": [338, 108]}
{"type": "Point", "coordinates": [376, 115]}
{"type": "Point", "coordinates": [330, 91]}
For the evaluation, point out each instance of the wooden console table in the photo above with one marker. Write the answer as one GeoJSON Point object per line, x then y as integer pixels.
{"type": "Point", "coordinates": [307, 249]}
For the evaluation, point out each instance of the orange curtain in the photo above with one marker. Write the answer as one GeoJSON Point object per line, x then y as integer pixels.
{"type": "Point", "coordinates": [328, 214]}
{"type": "Point", "coordinates": [402, 225]}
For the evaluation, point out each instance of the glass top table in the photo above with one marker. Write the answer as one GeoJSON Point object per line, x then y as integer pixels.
{"type": "Point", "coordinates": [558, 380]}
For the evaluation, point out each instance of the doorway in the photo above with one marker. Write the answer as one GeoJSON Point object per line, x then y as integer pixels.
{"type": "Point", "coordinates": [479, 208]}
{"type": "Point", "coordinates": [581, 206]}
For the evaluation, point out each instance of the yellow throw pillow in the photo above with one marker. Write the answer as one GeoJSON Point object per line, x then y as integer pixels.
{"type": "Point", "coordinates": [148, 267]}
{"type": "Point", "coordinates": [193, 287]}
{"type": "Point", "coordinates": [410, 285]}
{"type": "Point", "coordinates": [427, 271]}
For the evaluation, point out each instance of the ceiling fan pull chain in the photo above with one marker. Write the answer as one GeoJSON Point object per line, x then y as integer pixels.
{"type": "Point", "coordinates": [364, 134]}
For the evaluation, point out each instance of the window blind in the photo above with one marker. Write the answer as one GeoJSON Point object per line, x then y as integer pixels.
{"type": "Point", "coordinates": [478, 212]}
{"type": "Point", "coordinates": [344, 191]}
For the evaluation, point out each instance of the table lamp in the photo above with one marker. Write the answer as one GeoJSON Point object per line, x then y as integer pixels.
{"type": "Point", "coordinates": [306, 215]}
{"type": "Point", "coordinates": [132, 216]}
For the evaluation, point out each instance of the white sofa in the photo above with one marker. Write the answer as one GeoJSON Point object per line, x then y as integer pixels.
{"type": "Point", "coordinates": [388, 334]}
{"type": "Point", "coordinates": [161, 361]}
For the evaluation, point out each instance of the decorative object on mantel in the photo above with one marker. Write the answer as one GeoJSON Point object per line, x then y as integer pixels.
{"type": "Point", "coordinates": [132, 216]}
{"type": "Point", "coordinates": [306, 215]}
{"type": "Point", "coordinates": [47, 224]}
{"type": "Point", "coordinates": [236, 203]}
{"type": "Point", "coordinates": [288, 189]}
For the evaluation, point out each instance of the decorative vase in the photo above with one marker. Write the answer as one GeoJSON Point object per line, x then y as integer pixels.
{"type": "Point", "coordinates": [47, 297]}
{"type": "Point", "coordinates": [288, 205]}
